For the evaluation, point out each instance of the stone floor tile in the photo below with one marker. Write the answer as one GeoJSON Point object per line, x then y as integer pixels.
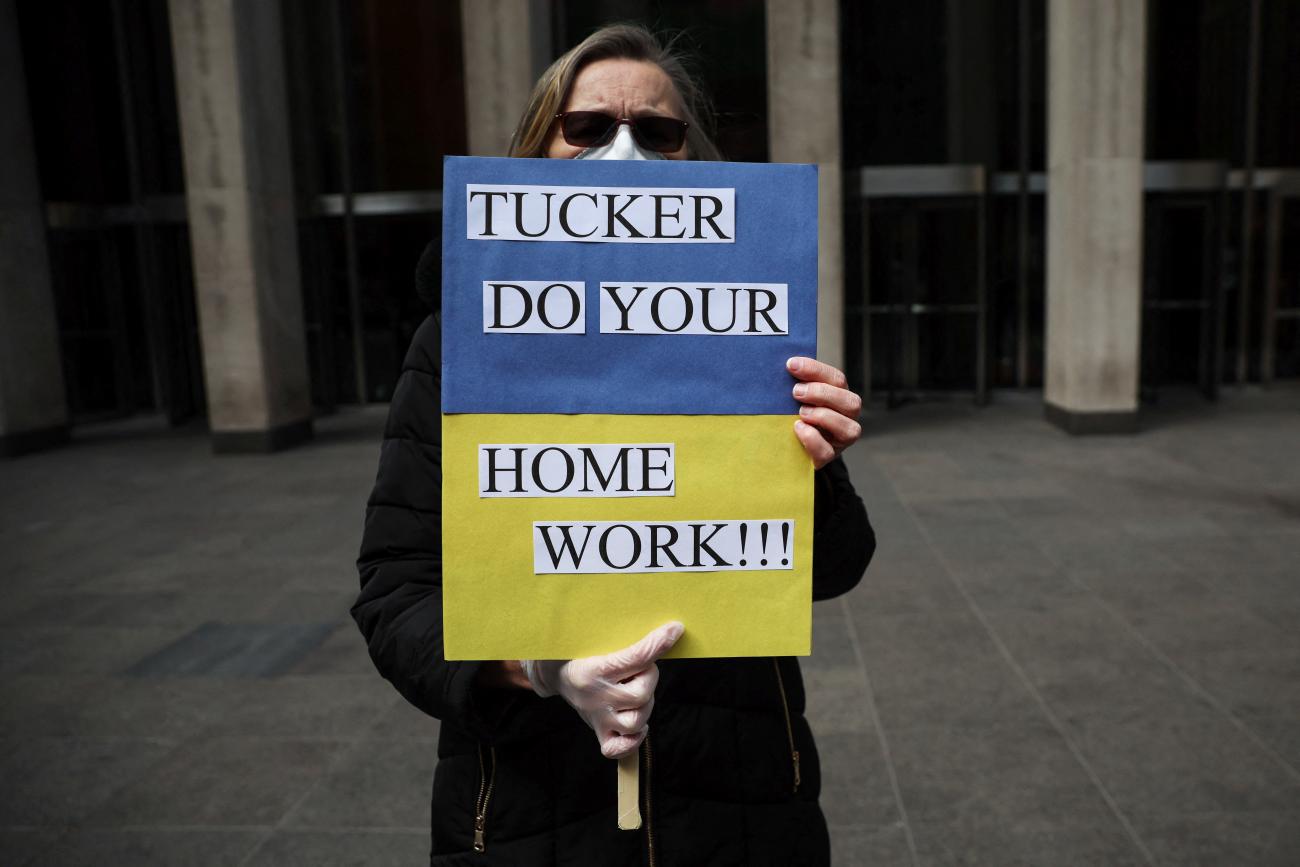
{"type": "Point", "coordinates": [51, 706]}
{"type": "Point", "coordinates": [110, 707]}
{"type": "Point", "coordinates": [179, 608]}
{"type": "Point", "coordinates": [837, 700]}
{"type": "Point", "coordinates": [299, 706]}
{"type": "Point", "coordinates": [134, 609]}
{"type": "Point", "coordinates": [1021, 485]}
{"type": "Point", "coordinates": [1058, 525]}
{"type": "Point", "coordinates": [1249, 683]}
{"type": "Point", "coordinates": [940, 488]}
{"type": "Point", "coordinates": [1281, 735]}
{"type": "Point", "coordinates": [404, 721]}
{"type": "Point", "coordinates": [1216, 839]}
{"type": "Point", "coordinates": [912, 553]}
{"type": "Point", "coordinates": [20, 847]}
{"type": "Point", "coordinates": [343, 653]}
{"type": "Point", "coordinates": [334, 706]}
{"type": "Point", "coordinates": [17, 652]}
{"type": "Point", "coordinates": [939, 670]}
{"type": "Point", "coordinates": [1187, 628]}
{"type": "Point", "coordinates": [856, 790]}
{"type": "Point", "coordinates": [175, 570]}
{"type": "Point", "coordinates": [161, 848]}
{"type": "Point", "coordinates": [1039, 587]}
{"type": "Point", "coordinates": [1136, 698]}
{"type": "Point", "coordinates": [216, 649]}
{"type": "Point", "coordinates": [85, 650]}
{"type": "Point", "coordinates": [1271, 514]}
{"type": "Point", "coordinates": [1022, 772]}
{"type": "Point", "coordinates": [1170, 526]}
{"type": "Point", "coordinates": [1133, 591]}
{"type": "Point", "coordinates": [221, 782]}
{"type": "Point", "coordinates": [1060, 507]}
{"type": "Point", "coordinates": [898, 537]}
{"type": "Point", "coordinates": [921, 589]}
{"type": "Point", "coordinates": [376, 783]}
{"type": "Point", "coordinates": [902, 465]}
{"type": "Point", "coordinates": [55, 781]}
{"type": "Point", "coordinates": [831, 643]}
{"type": "Point", "coordinates": [869, 846]}
{"type": "Point", "coordinates": [42, 606]}
{"type": "Point", "coordinates": [1087, 549]}
{"type": "Point", "coordinates": [944, 513]}
{"type": "Point", "coordinates": [313, 603]}
{"type": "Point", "coordinates": [1200, 763]}
{"type": "Point", "coordinates": [990, 545]}
{"type": "Point", "coordinates": [343, 849]}
{"type": "Point", "coordinates": [1270, 593]}
{"type": "Point", "coordinates": [1226, 553]}
{"type": "Point", "coordinates": [1087, 665]}
{"type": "Point", "coordinates": [999, 842]}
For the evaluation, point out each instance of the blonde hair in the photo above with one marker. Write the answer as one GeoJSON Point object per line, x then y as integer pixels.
{"type": "Point", "coordinates": [617, 41]}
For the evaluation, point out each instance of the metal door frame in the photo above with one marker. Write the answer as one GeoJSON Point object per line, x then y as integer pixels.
{"type": "Point", "coordinates": [914, 182]}
{"type": "Point", "coordinates": [1282, 185]}
{"type": "Point", "coordinates": [1208, 181]}
{"type": "Point", "coordinates": [141, 214]}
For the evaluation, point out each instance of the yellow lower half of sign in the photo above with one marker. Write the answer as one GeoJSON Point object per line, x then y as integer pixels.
{"type": "Point", "coordinates": [726, 469]}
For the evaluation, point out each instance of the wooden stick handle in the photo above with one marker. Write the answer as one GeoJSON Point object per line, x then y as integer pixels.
{"type": "Point", "coordinates": [629, 792]}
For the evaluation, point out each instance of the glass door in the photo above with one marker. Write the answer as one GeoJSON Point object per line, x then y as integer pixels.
{"type": "Point", "coordinates": [376, 93]}
{"type": "Point", "coordinates": [103, 104]}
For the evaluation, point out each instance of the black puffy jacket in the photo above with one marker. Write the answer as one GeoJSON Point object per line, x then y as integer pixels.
{"type": "Point", "coordinates": [729, 772]}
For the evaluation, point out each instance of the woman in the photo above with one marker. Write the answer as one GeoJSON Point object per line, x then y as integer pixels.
{"type": "Point", "coordinates": [731, 776]}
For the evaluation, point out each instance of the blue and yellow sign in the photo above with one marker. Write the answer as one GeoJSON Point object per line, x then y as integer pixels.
{"type": "Point", "coordinates": [618, 445]}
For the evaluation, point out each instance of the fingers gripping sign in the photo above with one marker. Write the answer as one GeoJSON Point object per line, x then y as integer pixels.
{"type": "Point", "coordinates": [829, 411]}
{"type": "Point", "coordinates": [613, 693]}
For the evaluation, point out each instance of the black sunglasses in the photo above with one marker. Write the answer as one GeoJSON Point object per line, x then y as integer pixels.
{"type": "Point", "coordinates": [584, 129]}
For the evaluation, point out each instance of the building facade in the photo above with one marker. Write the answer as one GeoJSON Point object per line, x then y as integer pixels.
{"type": "Point", "coordinates": [214, 208]}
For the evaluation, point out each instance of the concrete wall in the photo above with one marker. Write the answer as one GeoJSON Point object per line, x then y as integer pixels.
{"type": "Point", "coordinates": [803, 122]}
{"type": "Point", "coordinates": [239, 188]}
{"type": "Point", "coordinates": [506, 46]}
{"type": "Point", "coordinates": [1096, 81]}
{"type": "Point", "coordinates": [33, 402]}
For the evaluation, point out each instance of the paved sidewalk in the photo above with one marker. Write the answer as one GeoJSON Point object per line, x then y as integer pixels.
{"type": "Point", "coordinates": [1068, 651]}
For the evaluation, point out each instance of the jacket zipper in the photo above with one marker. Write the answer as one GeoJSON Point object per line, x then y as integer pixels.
{"type": "Point", "coordinates": [488, 773]}
{"type": "Point", "coordinates": [649, 824]}
{"type": "Point", "coordinates": [486, 780]}
{"type": "Point", "coordinates": [789, 729]}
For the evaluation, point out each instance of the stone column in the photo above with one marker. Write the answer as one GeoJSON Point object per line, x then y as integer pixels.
{"type": "Point", "coordinates": [1096, 80]}
{"type": "Point", "coordinates": [506, 46]}
{"type": "Point", "coordinates": [234, 115]}
{"type": "Point", "coordinates": [803, 123]}
{"type": "Point", "coordinates": [33, 403]}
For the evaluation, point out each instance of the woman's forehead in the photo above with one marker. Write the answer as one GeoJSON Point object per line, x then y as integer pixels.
{"type": "Point", "coordinates": [624, 85]}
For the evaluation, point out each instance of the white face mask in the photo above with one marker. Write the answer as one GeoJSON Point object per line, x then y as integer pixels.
{"type": "Point", "coordinates": [623, 147]}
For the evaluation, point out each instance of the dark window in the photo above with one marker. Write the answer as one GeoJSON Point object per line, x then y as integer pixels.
{"type": "Point", "coordinates": [727, 41]}
{"type": "Point", "coordinates": [103, 104]}
{"type": "Point", "coordinates": [376, 94]}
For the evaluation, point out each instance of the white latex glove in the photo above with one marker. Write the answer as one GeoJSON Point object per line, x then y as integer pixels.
{"type": "Point", "coordinates": [614, 693]}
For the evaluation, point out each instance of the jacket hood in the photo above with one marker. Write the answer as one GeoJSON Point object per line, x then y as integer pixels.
{"type": "Point", "coordinates": [428, 282]}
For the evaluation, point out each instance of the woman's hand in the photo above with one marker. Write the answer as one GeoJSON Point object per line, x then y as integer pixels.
{"type": "Point", "coordinates": [828, 417]}
{"type": "Point", "coordinates": [613, 693]}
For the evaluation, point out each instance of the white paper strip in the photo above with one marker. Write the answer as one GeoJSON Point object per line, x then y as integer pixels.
{"type": "Point", "coordinates": [534, 306]}
{"type": "Point", "coordinates": [577, 470]}
{"type": "Point", "coordinates": [584, 547]}
{"type": "Point", "coordinates": [637, 307]}
{"type": "Point", "coordinates": [618, 215]}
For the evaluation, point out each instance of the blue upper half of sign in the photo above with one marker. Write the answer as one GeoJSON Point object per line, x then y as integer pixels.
{"type": "Point", "coordinates": [681, 370]}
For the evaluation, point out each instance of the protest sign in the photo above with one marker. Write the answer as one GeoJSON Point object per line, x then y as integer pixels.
{"type": "Point", "coordinates": [618, 446]}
